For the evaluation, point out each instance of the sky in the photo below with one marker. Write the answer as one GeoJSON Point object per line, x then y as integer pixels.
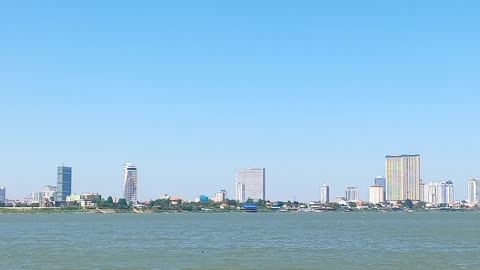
{"type": "Point", "coordinates": [314, 91]}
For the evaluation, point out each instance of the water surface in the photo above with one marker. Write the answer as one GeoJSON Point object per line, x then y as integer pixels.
{"type": "Point", "coordinates": [241, 241]}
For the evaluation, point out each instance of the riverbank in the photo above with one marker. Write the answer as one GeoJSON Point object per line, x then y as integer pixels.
{"type": "Point", "coordinates": [35, 210]}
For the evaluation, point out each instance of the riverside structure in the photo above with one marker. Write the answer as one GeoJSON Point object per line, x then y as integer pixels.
{"type": "Point", "coordinates": [130, 182]}
{"type": "Point", "coordinates": [402, 177]}
{"type": "Point", "coordinates": [250, 184]}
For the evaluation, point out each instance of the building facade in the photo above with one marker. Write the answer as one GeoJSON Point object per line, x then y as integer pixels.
{"type": "Point", "coordinates": [64, 183]}
{"type": "Point", "coordinates": [3, 195]}
{"type": "Point", "coordinates": [382, 181]}
{"type": "Point", "coordinates": [130, 182]}
{"type": "Point", "coordinates": [377, 194]}
{"type": "Point", "coordinates": [220, 196]}
{"type": "Point", "coordinates": [437, 193]}
{"type": "Point", "coordinates": [351, 194]}
{"type": "Point", "coordinates": [250, 184]}
{"type": "Point", "coordinates": [402, 177]}
{"type": "Point", "coordinates": [36, 197]}
{"type": "Point", "coordinates": [473, 196]}
{"type": "Point", "coordinates": [325, 194]}
{"type": "Point", "coordinates": [49, 192]}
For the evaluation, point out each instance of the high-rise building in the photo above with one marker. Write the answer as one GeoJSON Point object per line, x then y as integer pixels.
{"type": "Point", "coordinates": [439, 193]}
{"type": "Point", "coordinates": [473, 196]}
{"type": "Point", "coordinates": [381, 181]}
{"type": "Point", "coordinates": [377, 193]}
{"type": "Point", "coordinates": [447, 192]}
{"type": "Point", "coordinates": [220, 196]}
{"type": "Point", "coordinates": [422, 191]}
{"type": "Point", "coordinates": [64, 183]}
{"type": "Point", "coordinates": [351, 194]}
{"type": "Point", "coordinates": [325, 194]}
{"type": "Point", "coordinates": [36, 197]}
{"type": "Point", "coordinates": [130, 182]}
{"type": "Point", "coordinates": [403, 177]}
{"type": "Point", "coordinates": [49, 192]}
{"type": "Point", "coordinates": [3, 195]}
{"type": "Point", "coordinates": [240, 192]}
{"type": "Point", "coordinates": [250, 184]}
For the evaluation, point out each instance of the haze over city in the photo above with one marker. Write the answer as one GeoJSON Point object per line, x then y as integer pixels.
{"type": "Point", "coordinates": [317, 94]}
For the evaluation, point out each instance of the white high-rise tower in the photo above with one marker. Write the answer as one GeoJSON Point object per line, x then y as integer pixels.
{"type": "Point", "coordinates": [324, 194]}
{"type": "Point", "coordinates": [250, 184]}
{"type": "Point", "coordinates": [473, 192]}
{"type": "Point", "coordinates": [130, 182]}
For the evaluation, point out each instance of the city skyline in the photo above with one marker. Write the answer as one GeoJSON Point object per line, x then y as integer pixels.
{"type": "Point", "coordinates": [319, 93]}
{"type": "Point", "coordinates": [250, 184]}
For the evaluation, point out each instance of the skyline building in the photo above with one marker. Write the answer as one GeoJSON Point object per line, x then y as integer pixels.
{"type": "Point", "coordinates": [473, 192]}
{"type": "Point", "coordinates": [422, 191]}
{"type": "Point", "coordinates": [49, 192]}
{"type": "Point", "coordinates": [240, 192]}
{"type": "Point", "coordinates": [325, 194]}
{"type": "Point", "coordinates": [64, 183]}
{"type": "Point", "coordinates": [250, 184]}
{"type": "Point", "coordinates": [220, 196]}
{"type": "Point", "coordinates": [382, 181]}
{"type": "Point", "coordinates": [402, 177]}
{"type": "Point", "coordinates": [351, 194]}
{"type": "Point", "coordinates": [439, 193]}
{"type": "Point", "coordinates": [130, 182]}
{"type": "Point", "coordinates": [3, 195]}
{"type": "Point", "coordinates": [377, 194]}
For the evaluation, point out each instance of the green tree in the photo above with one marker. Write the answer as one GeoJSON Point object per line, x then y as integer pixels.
{"type": "Point", "coordinates": [352, 204]}
{"type": "Point", "coordinates": [122, 204]}
{"type": "Point", "coordinates": [420, 205]}
{"type": "Point", "coordinates": [261, 204]}
{"type": "Point", "coordinates": [110, 200]}
{"type": "Point", "coordinates": [408, 204]}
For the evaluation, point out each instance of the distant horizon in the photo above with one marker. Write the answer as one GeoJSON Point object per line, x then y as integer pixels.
{"type": "Point", "coordinates": [315, 92]}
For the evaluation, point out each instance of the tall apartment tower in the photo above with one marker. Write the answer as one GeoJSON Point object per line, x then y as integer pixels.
{"type": "Point", "coordinates": [250, 184]}
{"type": "Point", "coordinates": [3, 196]}
{"type": "Point", "coordinates": [473, 192]}
{"type": "Point", "coordinates": [325, 194]}
{"type": "Point", "coordinates": [403, 177]}
{"type": "Point", "coordinates": [381, 181]}
{"type": "Point", "coordinates": [130, 182]}
{"type": "Point", "coordinates": [438, 192]}
{"type": "Point", "coordinates": [376, 194]}
{"type": "Point", "coordinates": [64, 183]}
{"type": "Point", "coordinates": [351, 194]}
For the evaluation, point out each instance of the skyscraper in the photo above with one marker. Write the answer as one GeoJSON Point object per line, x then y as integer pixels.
{"type": "Point", "coordinates": [403, 177]}
{"type": "Point", "coordinates": [381, 181]}
{"type": "Point", "coordinates": [325, 194]}
{"type": "Point", "coordinates": [439, 193]}
{"type": "Point", "coordinates": [240, 192]}
{"type": "Point", "coordinates": [253, 181]}
{"type": "Point", "coordinates": [3, 195]}
{"type": "Point", "coordinates": [130, 182]}
{"type": "Point", "coordinates": [473, 192]}
{"type": "Point", "coordinates": [377, 194]}
{"type": "Point", "coordinates": [351, 194]}
{"type": "Point", "coordinates": [64, 183]}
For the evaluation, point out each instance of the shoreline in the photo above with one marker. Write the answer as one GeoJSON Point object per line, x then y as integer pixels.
{"type": "Point", "coordinates": [56, 210]}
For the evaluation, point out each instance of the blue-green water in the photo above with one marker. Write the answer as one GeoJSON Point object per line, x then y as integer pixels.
{"type": "Point", "coordinates": [241, 241]}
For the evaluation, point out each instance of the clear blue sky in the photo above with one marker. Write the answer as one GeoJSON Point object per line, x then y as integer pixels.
{"type": "Point", "coordinates": [315, 92]}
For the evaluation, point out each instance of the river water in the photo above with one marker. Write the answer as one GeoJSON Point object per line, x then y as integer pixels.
{"type": "Point", "coordinates": [360, 240]}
